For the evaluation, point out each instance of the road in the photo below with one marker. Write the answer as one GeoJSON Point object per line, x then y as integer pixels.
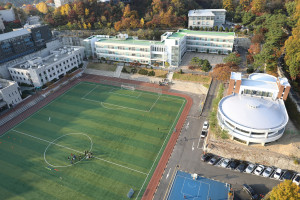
{"type": "Point", "coordinates": [188, 150]}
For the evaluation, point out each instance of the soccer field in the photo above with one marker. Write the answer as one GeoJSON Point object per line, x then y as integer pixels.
{"type": "Point", "coordinates": [126, 130]}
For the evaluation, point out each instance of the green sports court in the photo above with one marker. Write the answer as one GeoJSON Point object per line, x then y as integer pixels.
{"type": "Point", "coordinates": [125, 128]}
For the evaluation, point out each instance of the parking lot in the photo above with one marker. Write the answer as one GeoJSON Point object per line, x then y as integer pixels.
{"type": "Point", "coordinates": [212, 58]}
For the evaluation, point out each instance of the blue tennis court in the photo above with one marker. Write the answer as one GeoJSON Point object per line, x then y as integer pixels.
{"type": "Point", "coordinates": [184, 187]}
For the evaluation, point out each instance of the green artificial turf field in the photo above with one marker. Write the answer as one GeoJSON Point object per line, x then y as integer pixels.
{"type": "Point", "coordinates": [126, 130]}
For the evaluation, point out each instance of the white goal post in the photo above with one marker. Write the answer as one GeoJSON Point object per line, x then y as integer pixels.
{"type": "Point", "coordinates": [127, 87]}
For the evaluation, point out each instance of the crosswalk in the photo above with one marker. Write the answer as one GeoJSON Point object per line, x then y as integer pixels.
{"type": "Point", "coordinates": [20, 110]}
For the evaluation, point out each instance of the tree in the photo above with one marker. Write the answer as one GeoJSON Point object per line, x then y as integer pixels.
{"type": "Point", "coordinates": [142, 22]}
{"type": "Point", "coordinates": [258, 6]}
{"type": "Point", "coordinates": [42, 7]}
{"type": "Point", "coordinates": [234, 58]}
{"type": "Point", "coordinates": [118, 26]}
{"type": "Point", "coordinates": [292, 56]}
{"type": "Point", "coordinates": [247, 18]}
{"type": "Point", "coordinates": [228, 5]}
{"type": "Point", "coordinates": [221, 72]}
{"type": "Point", "coordinates": [245, 4]}
{"type": "Point", "coordinates": [285, 191]}
{"type": "Point", "coordinates": [86, 12]}
{"type": "Point", "coordinates": [254, 49]}
{"type": "Point", "coordinates": [65, 9]}
{"type": "Point", "coordinates": [127, 11]}
{"type": "Point", "coordinates": [8, 6]}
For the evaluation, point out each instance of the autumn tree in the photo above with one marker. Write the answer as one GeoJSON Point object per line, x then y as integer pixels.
{"type": "Point", "coordinates": [285, 191]}
{"type": "Point", "coordinates": [245, 4]}
{"type": "Point", "coordinates": [8, 6]}
{"type": "Point", "coordinates": [118, 25]}
{"type": "Point", "coordinates": [254, 49]}
{"type": "Point", "coordinates": [127, 11]}
{"type": "Point", "coordinates": [86, 12]}
{"type": "Point", "coordinates": [228, 5]}
{"type": "Point", "coordinates": [157, 6]}
{"type": "Point", "coordinates": [221, 72]}
{"type": "Point", "coordinates": [65, 9]}
{"type": "Point", "coordinates": [142, 22]}
{"type": "Point", "coordinates": [258, 6]}
{"type": "Point", "coordinates": [42, 7]}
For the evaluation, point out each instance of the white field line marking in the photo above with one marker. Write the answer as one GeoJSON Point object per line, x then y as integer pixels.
{"type": "Point", "coordinates": [78, 151]}
{"type": "Point", "coordinates": [193, 148]}
{"type": "Point", "coordinates": [168, 174]}
{"type": "Point", "coordinates": [183, 101]}
{"type": "Point", "coordinates": [127, 95]}
{"type": "Point", "coordinates": [53, 142]}
{"type": "Point", "coordinates": [89, 92]}
{"type": "Point", "coordinates": [154, 103]}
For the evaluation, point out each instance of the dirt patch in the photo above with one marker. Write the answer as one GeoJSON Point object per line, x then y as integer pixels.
{"type": "Point", "coordinates": [192, 78]}
{"type": "Point", "coordinates": [281, 153]}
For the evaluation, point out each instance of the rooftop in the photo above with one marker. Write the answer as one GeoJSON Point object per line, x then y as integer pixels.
{"type": "Point", "coordinates": [4, 83]}
{"type": "Point", "coordinates": [260, 85]}
{"type": "Point", "coordinates": [130, 41]}
{"type": "Point", "coordinates": [254, 112]}
{"type": "Point", "coordinates": [54, 56]}
{"type": "Point", "coordinates": [204, 12]}
{"type": "Point", "coordinates": [236, 76]}
{"type": "Point", "coordinates": [208, 33]}
{"type": "Point", "coordinates": [262, 77]}
{"type": "Point", "coordinates": [13, 34]}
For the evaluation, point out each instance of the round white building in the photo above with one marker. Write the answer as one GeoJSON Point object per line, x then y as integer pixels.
{"type": "Point", "coordinates": [254, 110]}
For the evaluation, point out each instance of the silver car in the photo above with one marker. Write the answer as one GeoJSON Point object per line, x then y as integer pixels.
{"type": "Point", "coordinates": [278, 173]}
{"type": "Point", "coordinates": [259, 169]}
{"type": "Point", "coordinates": [297, 179]}
{"type": "Point", "coordinates": [250, 168]}
{"type": "Point", "coordinates": [267, 172]}
{"type": "Point", "coordinates": [225, 163]}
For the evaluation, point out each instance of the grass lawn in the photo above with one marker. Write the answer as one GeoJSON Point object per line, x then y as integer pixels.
{"type": "Point", "coordinates": [102, 66]}
{"type": "Point", "coordinates": [192, 77]}
{"type": "Point", "coordinates": [160, 73]}
{"type": "Point", "coordinates": [126, 130]}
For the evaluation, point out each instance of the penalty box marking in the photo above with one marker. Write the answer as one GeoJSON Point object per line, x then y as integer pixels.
{"type": "Point", "coordinates": [124, 107]}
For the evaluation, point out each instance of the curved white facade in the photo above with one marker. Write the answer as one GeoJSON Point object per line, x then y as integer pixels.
{"type": "Point", "coordinates": [252, 119]}
{"type": "Point", "coordinates": [254, 109]}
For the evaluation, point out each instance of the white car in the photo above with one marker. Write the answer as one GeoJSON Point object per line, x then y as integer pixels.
{"type": "Point", "coordinates": [205, 126]}
{"type": "Point", "coordinates": [259, 169]}
{"type": "Point", "coordinates": [278, 173]}
{"type": "Point", "coordinates": [250, 168]}
{"type": "Point", "coordinates": [267, 172]}
{"type": "Point", "coordinates": [225, 163]}
{"type": "Point", "coordinates": [297, 179]}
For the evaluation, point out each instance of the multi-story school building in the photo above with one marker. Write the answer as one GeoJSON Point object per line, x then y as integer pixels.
{"type": "Point", "coordinates": [170, 49]}
{"type": "Point", "coordinates": [41, 70]}
{"type": "Point", "coordinates": [206, 18]}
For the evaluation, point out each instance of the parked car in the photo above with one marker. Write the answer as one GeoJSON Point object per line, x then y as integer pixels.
{"type": "Point", "coordinates": [225, 163]}
{"type": "Point", "coordinates": [203, 134]}
{"type": "Point", "coordinates": [278, 173]}
{"type": "Point", "coordinates": [233, 164]}
{"type": "Point", "coordinates": [288, 175]}
{"type": "Point", "coordinates": [205, 126]}
{"type": "Point", "coordinates": [242, 166]}
{"type": "Point", "coordinates": [214, 160]}
{"type": "Point", "coordinates": [250, 191]}
{"type": "Point", "coordinates": [206, 157]}
{"type": "Point", "coordinates": [259, 169]}
{"type": "Point", "coordinates": [267, 172]}
{"type": "Point", "coordinates": [251, 167]}
{"type": "Point", "coordinates": [297, 179]}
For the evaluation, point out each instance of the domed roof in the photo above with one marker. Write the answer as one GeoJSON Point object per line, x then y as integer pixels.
{"type": "Point", "coordinates": [254, 112]}
{"type": "Point", "coordinates": [262, 77]}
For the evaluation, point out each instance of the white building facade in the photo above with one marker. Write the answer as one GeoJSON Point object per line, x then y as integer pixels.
{"type": "Point", "coordinates": [10, 93]}
{"type": "Point", "coordinates": [254, 110]}
{"type": "Point", "coordinates": [8, 15]}
{"type": "Point", "coordinates": [206, 18]}
{"type": "Point", "coordinates": [171, 48]}
{"type": "Point", "coordinates": [40, 70]}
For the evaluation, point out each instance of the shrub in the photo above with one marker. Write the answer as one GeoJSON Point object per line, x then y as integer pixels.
{"type": "Point", "coordinates": [133, 70]}
{"type": "Point", "coordinates": [192, 67]}
{"type": "Point", "coordinates": [151, 73]}
{"type": "Point", "coordinates": [226, 29]}
{"type": "Point", "coordinates": [181, 72]}
{"type": "Point", "coordinates": [124, 70]}
{"type": "Point", "coordinates": [143, 72]}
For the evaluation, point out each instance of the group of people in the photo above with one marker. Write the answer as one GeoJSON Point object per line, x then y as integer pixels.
{"type": "Point", "coordinates": [73, 157]}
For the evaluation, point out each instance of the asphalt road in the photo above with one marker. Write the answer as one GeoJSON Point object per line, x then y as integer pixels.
{"type": "Point", "coordinates": [188, 150]}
